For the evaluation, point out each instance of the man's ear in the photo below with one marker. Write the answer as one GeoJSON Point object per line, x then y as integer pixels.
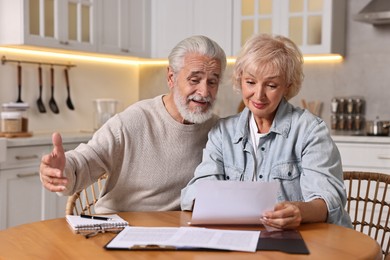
{"type": "Point", "coordinates": [170, 77]}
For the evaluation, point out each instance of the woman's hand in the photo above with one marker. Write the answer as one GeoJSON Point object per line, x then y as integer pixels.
{"type": "Point", "coordinates": [285, 216]}
{"type": "Point", "coordinates": [290, 215]}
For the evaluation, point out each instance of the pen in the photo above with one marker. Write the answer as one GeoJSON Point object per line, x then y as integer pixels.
{"type": "Point", "coordinates": [94, 217]}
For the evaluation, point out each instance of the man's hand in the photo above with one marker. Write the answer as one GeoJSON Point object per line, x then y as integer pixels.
{"type": "Point", "coordinates": [52, 166]}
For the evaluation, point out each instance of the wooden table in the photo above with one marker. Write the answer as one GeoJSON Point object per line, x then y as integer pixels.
{"type": "Point", "coordinates": [53, 239]}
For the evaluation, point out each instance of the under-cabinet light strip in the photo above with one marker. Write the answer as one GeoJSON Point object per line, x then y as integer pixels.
{"type": "Point", "coordinates": [136, 61]}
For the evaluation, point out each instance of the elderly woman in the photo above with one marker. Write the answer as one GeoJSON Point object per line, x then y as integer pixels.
{"type": "Point", "coordinates": [271, 140]}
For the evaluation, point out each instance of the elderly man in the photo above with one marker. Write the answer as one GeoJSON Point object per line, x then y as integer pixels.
{"type": "Point", "coordinates": [151, 149]}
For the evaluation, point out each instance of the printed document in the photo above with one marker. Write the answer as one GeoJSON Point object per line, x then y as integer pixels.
{"type": "Point", "coordinates": [184, 238]}
{"type": "Point", "coordinates": [233, 202]}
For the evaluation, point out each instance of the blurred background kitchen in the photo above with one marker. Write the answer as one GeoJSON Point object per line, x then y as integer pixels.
{"type": "Point", "coordinates": [152, 30]}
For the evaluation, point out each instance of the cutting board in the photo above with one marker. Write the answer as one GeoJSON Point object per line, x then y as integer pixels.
{"type": "Point", "coordinates": [15, 135]}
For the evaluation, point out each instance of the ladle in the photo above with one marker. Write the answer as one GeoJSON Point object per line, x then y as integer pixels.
{"type": "Point", "coordinates": [68, 100]}
{"type": "Point", "coordinates": [19, 84]}
{"type": "Point", "coordinates": [41, 106]}
{"type": "Point", "coordinates": [52, 103]}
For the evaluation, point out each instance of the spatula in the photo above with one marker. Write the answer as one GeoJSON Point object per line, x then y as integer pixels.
{"type": "Point", "coordinates": [19, 84]}
{"type": "Point", "coordinates": [41, 106]}
{"type": "Point", "coordinates": [68, 100]}
{"type": "Point", "coordinates": [52, 103]}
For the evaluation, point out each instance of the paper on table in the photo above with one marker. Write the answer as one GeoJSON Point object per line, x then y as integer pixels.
{"type": "Point", "coordinates": [233, 202]}
{"type": "Point", "coordinates": [184, 238]}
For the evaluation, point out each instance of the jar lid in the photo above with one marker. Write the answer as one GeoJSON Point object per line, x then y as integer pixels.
{"type": "Point", "coordinates": [11, 115]}
{"type": "Point", "coordinates": [12, 106]}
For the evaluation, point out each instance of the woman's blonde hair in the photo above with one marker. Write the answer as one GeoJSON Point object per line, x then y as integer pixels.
{"type": "Point", "coordinates": [264, 52]}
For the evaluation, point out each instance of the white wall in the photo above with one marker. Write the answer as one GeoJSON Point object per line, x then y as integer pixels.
{"type": "Point", "coordinates": [88, 81]}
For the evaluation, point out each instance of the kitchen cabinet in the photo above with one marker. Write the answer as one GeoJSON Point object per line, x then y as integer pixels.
{"type": "Point", "coordinates": [368, 154]}
{"type": "Point", "coordinates": [149, 28]}
{"type": "Point", "coordinates": [124, 27]}
{"type": "Point", "coordinates": [364, 153]}
{"type": "Point", "coordinates": [174, 20]}
{"type": "Point", "coordinates": [316, 26]}
{"type": "Point", "coordinates": [22, 196]}
{"type": "Point", "coordinates": [61, 24]}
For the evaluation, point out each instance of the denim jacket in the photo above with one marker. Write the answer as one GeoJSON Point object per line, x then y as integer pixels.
{"type": "Point", "coordinates": [298, 152]}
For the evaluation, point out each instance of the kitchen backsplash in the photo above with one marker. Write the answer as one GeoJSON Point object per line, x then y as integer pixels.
{"type": "Point", "coordinates": [88, 81]}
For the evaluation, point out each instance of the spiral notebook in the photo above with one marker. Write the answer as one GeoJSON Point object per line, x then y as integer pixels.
{"type": "Point", "coordinates": [78, 223]}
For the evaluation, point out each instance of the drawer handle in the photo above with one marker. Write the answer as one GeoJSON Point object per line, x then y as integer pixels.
{"type": "Point", "coordinates": [25, 175]}
{"type": "Point", "coordinates": [28, 157]}
{"type": "Point", "coordinates": [384, 157]}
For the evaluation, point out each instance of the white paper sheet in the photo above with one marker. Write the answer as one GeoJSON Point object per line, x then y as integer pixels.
{"type": "Point", "coordinates": [233, 202]}
{"type": "Point", "coordinates": [185, 238]}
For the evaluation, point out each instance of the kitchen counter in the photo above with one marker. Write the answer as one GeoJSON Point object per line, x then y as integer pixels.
{"type": "Point", "coordinates": [361, 139]}
{"type": "Point", "coordinates": [364, 153]}
{"type": "Point", "coordinates": [45, 139]}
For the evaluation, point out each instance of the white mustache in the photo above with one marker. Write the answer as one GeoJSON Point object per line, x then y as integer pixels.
{"type": "Point", "coordinates": [199, 98]}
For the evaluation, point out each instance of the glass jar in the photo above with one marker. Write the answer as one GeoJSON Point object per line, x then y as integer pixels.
{"type": "Point", "coordinates": [333, 121]}
{"type": "Point", "coordinates": [105, 108]}
{"type": "Point", "coordinates": [11, 122]}
{"type": "Point", "coordinates": [17, 109]}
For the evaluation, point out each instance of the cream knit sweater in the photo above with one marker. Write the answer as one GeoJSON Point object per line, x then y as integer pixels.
{"type": "Point", "coordinates": [148, 156]}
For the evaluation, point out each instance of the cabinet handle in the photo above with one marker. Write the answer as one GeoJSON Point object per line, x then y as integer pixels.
{"type": "Point", "coordinates": [384, 157]}
{"type": "Point", "coordinates": [28, 157]}
{"type": "Point", "coordinates": [64, 42]}
{"type": "Point", "coordinates": [25, 175]}
{"type": "Point", "coordinates": [125, 50]}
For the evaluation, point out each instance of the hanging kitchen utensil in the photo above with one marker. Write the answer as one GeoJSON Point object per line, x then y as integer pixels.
{"type": "Point", "coordinates": [41, 106]}
{"type": "Point", "coordinates": [68, 100]}
{"type": "Point", "coordinates": [19, 84]}
{"type": "Point", "coordinates": [52, 103]}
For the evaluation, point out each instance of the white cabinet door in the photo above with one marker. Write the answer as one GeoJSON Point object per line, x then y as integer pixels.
{"type": "Point", "coordinates": [213, 18]}
{"type": "Point", "coordinates": [365, 157]}
{"type": "Point", "coordinates": [20, 197]}
{"type": "Point", "coordinates": [124, 27]}
{"type": "Point", "coordinates": [64, 24]}
{"type": "Point", "coordinates": [316, 26]}
{"type": "Point", "coordinates": [174, 20]}
{"type": "Point", "coordinates": [77, 29]}
{"type": "Point", "coordinates": [171, 23]}
{"type": "Point", "coordinates": [252, 17]}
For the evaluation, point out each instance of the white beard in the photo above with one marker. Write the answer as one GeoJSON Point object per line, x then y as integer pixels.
{"type": "Point", "coordinates": [197, 116]}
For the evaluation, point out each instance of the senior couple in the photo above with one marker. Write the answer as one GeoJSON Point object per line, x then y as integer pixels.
{"type": "Point", "coordinates": [155, 151]}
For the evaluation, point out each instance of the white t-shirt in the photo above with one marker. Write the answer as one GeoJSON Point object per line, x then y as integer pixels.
{"type": "Point", "coordinates": [254, 133]}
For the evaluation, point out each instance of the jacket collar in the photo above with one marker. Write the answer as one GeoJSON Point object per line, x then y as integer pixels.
{"type": "Point", "coordinates": [281, 124]}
